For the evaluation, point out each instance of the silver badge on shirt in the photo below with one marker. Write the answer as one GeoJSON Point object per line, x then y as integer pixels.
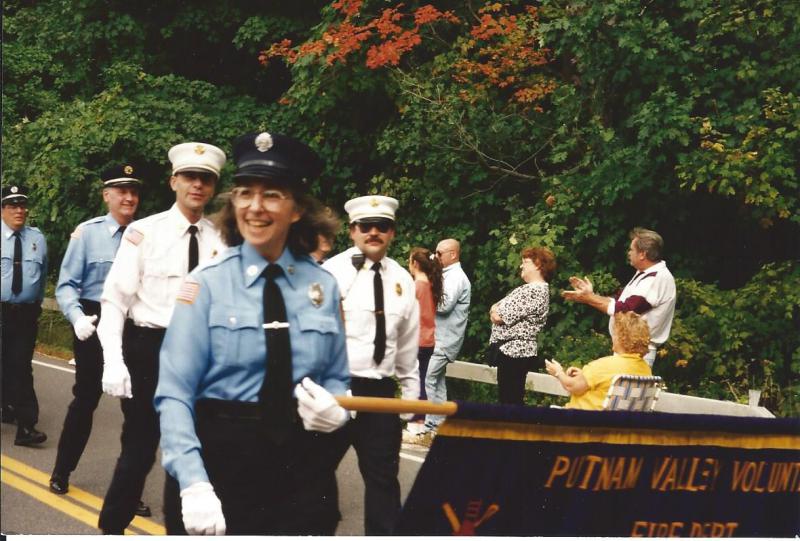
{"type": "Point", "coordinates": [316, 294]}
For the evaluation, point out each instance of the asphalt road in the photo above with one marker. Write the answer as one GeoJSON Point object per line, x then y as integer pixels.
{"type": "Point", "coordinates": [28, 507]}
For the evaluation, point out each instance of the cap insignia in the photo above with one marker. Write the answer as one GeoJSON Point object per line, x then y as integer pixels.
{"type": "Point", "coordinates": [398, 289]}
{"type": "Point", "coordinates": [316, 294]}
{"type": "Point", "coordinates": [128, 170]}
{"type": "Point", "coordinates": [199, 149]}
{"type": "Point", "coordinates": [264, 142]}
{"type": "Point", "coordinates": [374, 202]}
{"type": "Point", "coordinates": [14, 189]}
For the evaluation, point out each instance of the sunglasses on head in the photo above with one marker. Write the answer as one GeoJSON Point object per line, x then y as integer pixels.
{"type": "Point", "coordinates": [382, 226]}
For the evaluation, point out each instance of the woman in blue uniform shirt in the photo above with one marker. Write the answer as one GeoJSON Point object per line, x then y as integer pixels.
{"type": "Point", "coordinates": [248, 420]}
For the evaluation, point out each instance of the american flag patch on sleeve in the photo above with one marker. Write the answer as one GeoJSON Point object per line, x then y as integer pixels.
{"type": "Point", "coordinates": [188, 291]}
{"type": "Point", "coordinates": [134, 236]}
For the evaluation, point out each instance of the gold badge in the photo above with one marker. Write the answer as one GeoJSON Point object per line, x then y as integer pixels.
{"type": "Point", "coordinates": [374, 202]}
{"type": "Point", "coordinates": [398, 289]}
{"type": "Point", "coordinates": [316, 294]}
{"type": "Point", "coordinates": [128, 170]}
{"type": "Point", "coordinates": [199, 149]}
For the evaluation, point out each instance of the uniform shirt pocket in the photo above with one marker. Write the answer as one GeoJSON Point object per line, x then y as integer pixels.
{"type": "Point", "coordinates": [236, 338]}
{"type": "Point", "coordinates": [32, 266]}
{"type": "Point", "coordinates": [97, 268]}
{"type": "Point", "coordinates": [161, 278]}
{"type": "Point", "coordinates": [315, 343]}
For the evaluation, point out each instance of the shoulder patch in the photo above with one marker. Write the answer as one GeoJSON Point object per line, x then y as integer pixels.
{"type": "Point", "coordinates": [188, 291]}
{"type": "Point", "coordinates": [76, 234]}
{"type": "Point", "coordinates": [134, 236]}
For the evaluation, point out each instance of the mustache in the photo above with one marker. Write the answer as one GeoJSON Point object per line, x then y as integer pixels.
{"type": "Point", "coordinates": [375, 238]}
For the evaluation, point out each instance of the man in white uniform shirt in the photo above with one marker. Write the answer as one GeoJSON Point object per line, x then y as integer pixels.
{"type": "Point", "coordinates": [650, 293]}
{"type": "Point", "coordinates": [139, 294]}
{"type": "Point", "coordinates": [381, 317]}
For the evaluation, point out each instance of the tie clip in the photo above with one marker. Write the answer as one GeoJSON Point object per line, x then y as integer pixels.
{"type": "Point", "coordinates": [276, 325]}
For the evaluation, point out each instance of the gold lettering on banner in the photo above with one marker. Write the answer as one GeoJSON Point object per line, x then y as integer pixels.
{"type": "Point", "coordinates": [689, 474]}
{"type": "Point", "coordinates": [596, 473]}
{"type": "Point", "coordinates": [762, 476]}
{"type": "Point", "coordinates": [644, 528]}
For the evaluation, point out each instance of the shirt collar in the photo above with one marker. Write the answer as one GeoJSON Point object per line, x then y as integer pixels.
{"type": "Point", "coordinates": [111, 224]}
{"type": "Point", "coordinates": [253, 264]}
{"type": "Point", "coordinates": [7, 231]}
{"type": "Point", "coordinates": [180, 221]}
{"type": "Point", "coordinates": [456, 265]}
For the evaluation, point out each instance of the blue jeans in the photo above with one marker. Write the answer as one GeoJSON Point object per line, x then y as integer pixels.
{"type": "Point", "coordinates": [436, 387]}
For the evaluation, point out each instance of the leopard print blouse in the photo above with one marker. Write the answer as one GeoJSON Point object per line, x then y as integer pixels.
{"type": "Point", "coordinates": [524, 313]}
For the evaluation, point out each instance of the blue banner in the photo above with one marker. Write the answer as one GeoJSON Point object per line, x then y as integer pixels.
{"type": "Point", "coordinates": [502, 470]}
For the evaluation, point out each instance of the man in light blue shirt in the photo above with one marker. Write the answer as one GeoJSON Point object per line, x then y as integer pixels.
{"type": "Point", "coordinates": [451, 325]}
{"type": "Point", "coordinates": [91, 250]}
{"type": "Point", "coordinates": [24, 271]}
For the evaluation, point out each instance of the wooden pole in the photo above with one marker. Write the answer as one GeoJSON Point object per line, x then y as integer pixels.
{"type": "Point", "coordinates": [395, 405]}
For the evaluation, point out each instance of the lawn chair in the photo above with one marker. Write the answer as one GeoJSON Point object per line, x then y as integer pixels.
{"type": "Point", "coordinates": [633, 393]}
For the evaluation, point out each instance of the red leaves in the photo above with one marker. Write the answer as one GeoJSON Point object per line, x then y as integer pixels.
{"type": "Point", "coordinates": [392, 33]}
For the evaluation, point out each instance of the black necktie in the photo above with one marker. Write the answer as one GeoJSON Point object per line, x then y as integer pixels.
{"type": "Point", "coordinates": [275, 396]}
{"type": "Point", "coordinates": [122, 229]}
{"type": "Point", "coordinates": [380, 317]}
{"type": "Point", "coordinates": [194, 250]}
{"type": "Point", "coordinates": [16, 280]}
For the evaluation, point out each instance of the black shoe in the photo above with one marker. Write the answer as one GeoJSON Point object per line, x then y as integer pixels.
{"type": "Point", "coordinates": [59, 484]}
{"type": "Point", "coordinates": [29, 436]}
{"type": "Point", "coordinates": [143, 510]}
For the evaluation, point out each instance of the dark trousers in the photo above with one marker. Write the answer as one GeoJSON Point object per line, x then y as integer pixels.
{"type": "Point", "coordinates": [376, 438]}
{"type": "Point", "coordinates": [265, 488]}
{"type": "Point", "coordinates": [86, 394]}
{"type": "Point", "coordinates": [20, 324]}
{"type": "Point", "coordinates": [140, 429]}
{"type": "Point", "coordinates": [511, 374]}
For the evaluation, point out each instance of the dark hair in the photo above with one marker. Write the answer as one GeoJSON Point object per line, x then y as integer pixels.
{"type": "Point", "coordinates": [432, 268]}
{"type": "Point", "coordinates": [649, 242]}
{"type": "Point", "coordinates": [315, 219]}
{"type": "Point", "coordinates": [543, 258]}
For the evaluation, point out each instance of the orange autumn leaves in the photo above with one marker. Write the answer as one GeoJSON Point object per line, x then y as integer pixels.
{"type": "Point", "coordinates": [501, 50]}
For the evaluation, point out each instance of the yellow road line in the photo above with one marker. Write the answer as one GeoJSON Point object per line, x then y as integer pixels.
{"type": "Point", "coordinates": [75, 493]}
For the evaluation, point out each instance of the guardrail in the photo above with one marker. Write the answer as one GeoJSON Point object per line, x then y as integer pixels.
{"type": "Point", "coordinates": [544, 383]}
{"type": "Point", "coordinates": [667, 402]}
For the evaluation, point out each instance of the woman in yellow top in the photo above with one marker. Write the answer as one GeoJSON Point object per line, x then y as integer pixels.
{"type": "Point", "coordinates": [589, 385]}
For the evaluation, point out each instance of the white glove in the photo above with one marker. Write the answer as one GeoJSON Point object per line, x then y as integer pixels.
{"type": "Point", "coordinates": [406, 416]}
{"type": "Point", "coordinates": [116, 379]}
{"type": "Point", "coordinates": [84, 327]}
{"type": "Point", "coordinates": [318, 408]}
{"type": "Point", "coordinates": [202, 510]}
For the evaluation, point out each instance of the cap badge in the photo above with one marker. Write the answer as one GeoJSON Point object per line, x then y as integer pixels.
{"type": "Point", "coordinates": [14, 189]}
{"type": "Point", "coordinates": [128, 170]}
{"type": "Point", "coordinates": [264, 142]}
{"type": "Point", "coordinates": [316, 294]}
{"type": "Point", "coordinates": [199, 149]}
{"type": "Point", "coordinates": [398, 289]}
{"type": "Point", "coordinates": [374, 202]}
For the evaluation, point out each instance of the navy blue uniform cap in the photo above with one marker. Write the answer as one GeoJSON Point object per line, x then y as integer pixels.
{"type": "Point", "coordinates": [276, 157]}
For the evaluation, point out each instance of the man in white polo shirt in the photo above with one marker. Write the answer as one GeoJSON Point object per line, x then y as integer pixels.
{"type": "Point", "coordinates": [650, 293]}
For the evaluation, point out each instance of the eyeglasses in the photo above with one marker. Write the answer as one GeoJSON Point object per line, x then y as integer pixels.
{"type": "Point", "coordinates": [270, 199]}
{"type": "Point", "coordinates": [383, 226]}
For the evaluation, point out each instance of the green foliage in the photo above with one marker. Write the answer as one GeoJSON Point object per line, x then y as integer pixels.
{"type": "Point", "coordinates": [678, 116]}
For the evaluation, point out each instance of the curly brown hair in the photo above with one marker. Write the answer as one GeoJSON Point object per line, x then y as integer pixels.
{"type": "Point", "coordinates": [543, 258]}
{"type": "Point", "coordinates": [631, 332]}
{"type": "Point", "coordinates": [315, 219]}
